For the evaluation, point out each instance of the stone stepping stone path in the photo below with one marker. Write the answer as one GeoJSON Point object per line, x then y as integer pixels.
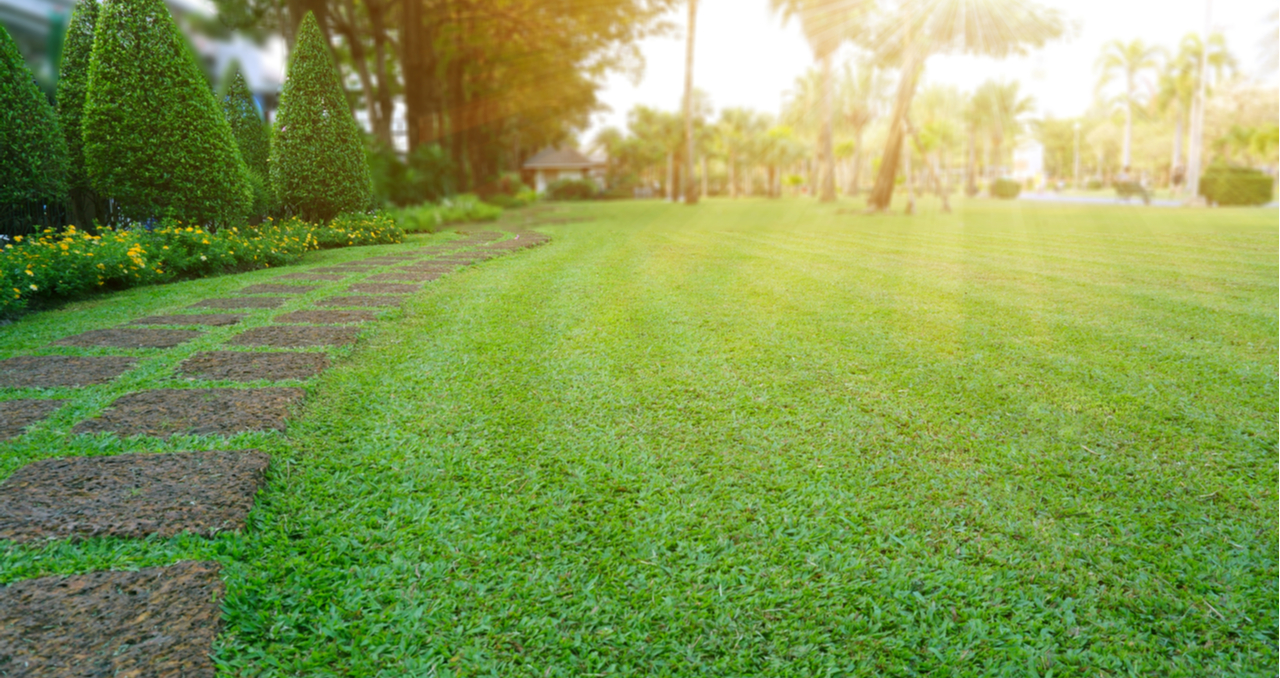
{"type": "Point", "coordinates": [384, 288]}
{"type": "Point", "coordinates": [16, 415]}
{"type": "Point", "coordinates": [213, 411]}
{"type": "Point", "coordinates": [297, 336]}
{"type": "Point", "coordinates": [128, 337]}
{"type": "Point", "coordinates": [202, 319]}
{"type": "Point", "coordinates": [131, 495]}
{"type": "Point", "coordinates": [313, 277]}
{"type": "Point", "coordinates": [408, 276]}
{"type": "Point", "coordinates": [360, 301]}
{"type": "Point", "coordinates": [156, 622]}
{"type": "Point", "coordinates": [242, 366]}
{"type": "Point", "coordinates": [274, 288]}
{"type": "Point", "coordinates": [241, 302]}
{"type": "Point", "coordinates": [54, 371]}
{"type": "Point", "coordinates": [327, 317]}
{"type": "Point", "coordinates": [336, 269]}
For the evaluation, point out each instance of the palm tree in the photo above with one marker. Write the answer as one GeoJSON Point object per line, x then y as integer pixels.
{"type": "Point", "coordinates": [825, 23]}
{"type": "Point", "coordinates": [690, 192]}
{"type": "Point", "coordinates": [1178, 82]}
{"type": "Point", "coordinates": [1127, 61]}
{"type": "Point", "coordinates": [860, 95]}
{"type": "Point", "coordinates": [917, 29]}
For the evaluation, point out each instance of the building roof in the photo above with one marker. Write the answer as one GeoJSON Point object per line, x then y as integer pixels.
{"type": "Point", "coordinates": [560, 158]}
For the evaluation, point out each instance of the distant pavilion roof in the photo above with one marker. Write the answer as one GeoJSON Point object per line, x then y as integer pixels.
{"type": "Point", "coordinates": [560, 158]}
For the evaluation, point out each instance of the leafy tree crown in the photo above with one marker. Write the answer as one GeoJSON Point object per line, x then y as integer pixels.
{"type": "Point", "coordinates": [73, 84]}
{"type": "Point", "coordinates": [33, 160]}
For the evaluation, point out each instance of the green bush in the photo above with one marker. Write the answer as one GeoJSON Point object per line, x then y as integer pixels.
{"type": "Point", "coordinates": [1005, 189]}
{"type": "Point", "coordinates": [355, 230]}
{"type": "Point", "coordinates": [1226, 186]}
{"type": "Point", "coordinates": [572, 189]}
{"type": "Point", "coordinates": [456, 210]}
{"type": "Point", "coordinates": [250, 134]}
{"type": "Point", "coordinates": [73, 85]}
{"type": "Point", "coordinates": [318, 166]}
{"type": "Point", "coordinates": [155, 141]}
{"type": "Point", "coordinates": [428, 176]}
{"type": "Point", "coordinates": [1093, 184]}
{"type": "Point", "coordinates": [523, 198]}
{"type": "Point", "coordinates": [33, 152]}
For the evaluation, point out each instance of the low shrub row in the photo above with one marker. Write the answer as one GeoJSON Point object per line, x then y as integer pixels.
{"type": "Point", "coordinates": [1228, 186]}
{"type": "Point", "coordinates": [456, 210]}
{"type": "Point", "coordinates": [57, 265]}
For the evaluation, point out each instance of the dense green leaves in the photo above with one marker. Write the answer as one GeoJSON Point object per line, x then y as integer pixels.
{"type": "Point", "coordinates": [246, 122]}
{"type": "Point", "coordinates": [318, 167]}
{"type": "Point", "coordinates": [155, 141]}
{"type": "Point", "coordinates": [73, 85]}
{"type": "Point", "coordinates": [32, 151]}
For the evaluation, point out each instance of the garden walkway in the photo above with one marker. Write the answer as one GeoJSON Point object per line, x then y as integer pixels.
{"type": "Point", "coordinates": [162, 621]}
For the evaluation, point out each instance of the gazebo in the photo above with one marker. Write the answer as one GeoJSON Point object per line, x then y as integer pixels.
{"type": "Point", "coordinates": [553, 164]}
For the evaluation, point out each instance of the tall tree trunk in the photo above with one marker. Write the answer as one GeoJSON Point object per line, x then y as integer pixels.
{"type": "Point", "coordinates": [413, 39]}
{"type": "Point", "coordinates": [733, 185]}
{"type": "Point", "coordinates": [347, 27]}
{"type": "Point", "coordinates": [386, 110]}
{"type": "Point", "coordinates": [855, 181]}
{"type": "Point", "coordinates": [690, 189]}
{"type": "Point", "coordinates": [828, 180]}
{"type": "Point", "coordinates": [971, 169]}
{"type": "Point", "coordinates": [882, 193]}
{"type": "Point", "coordinates": [906, 169]}
{"type": "Point", "coordinates": [1177, 147]}
{"type": "Point", "coordinates": [1128, 124]}
{"type": "Point", "coordinates": [671, 176]}
{"type": "Point", "coordinates": [704, 177]}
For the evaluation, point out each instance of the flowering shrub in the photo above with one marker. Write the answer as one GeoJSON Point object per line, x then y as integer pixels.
{"type": "Point", "coordinates": [72, 263]}
{"type": "Point", "coordinates": [455, 210]}
{"type": "Point", "coordinates": [353, 230]}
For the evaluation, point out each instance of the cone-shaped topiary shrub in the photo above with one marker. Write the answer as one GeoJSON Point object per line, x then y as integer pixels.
{"type": "Point", "coordinates": [73, 83]}
{"type": "Point", "coordinates": [155, 140]}
{"type": "Point", "coordinates": [33, 154]}
{"type": "Point", "coordinates": [250, 133]}
{"type": "Point", "coordinates": [318, 168]}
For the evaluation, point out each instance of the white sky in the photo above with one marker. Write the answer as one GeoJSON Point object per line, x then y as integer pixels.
{"type": "Point", "coordinates": [746, 57]}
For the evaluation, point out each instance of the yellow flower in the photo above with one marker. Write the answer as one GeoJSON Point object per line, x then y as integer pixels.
{"type": "Point", "coordinates": [34, 287]}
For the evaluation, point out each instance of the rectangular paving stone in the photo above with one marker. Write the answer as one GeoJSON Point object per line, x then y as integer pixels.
{"type": "Point", "coordinates": [201, 319]}
{"type": "Point", "coordinates": [313, 277]}
{"type": "Point", "coordinates": [275, 288]}
{"type": "Point", "coordinates": [407, 276]}
{"type": "Point", "coordinates": [295, 336]}
{"type": "Point", "coordinates": [241, 302]}
{"type": "Point", "coordinates": [243, 366]}
{"type": "Point", "coordinates": [213, 411]}
{"type": "Point", "coordinates": [52, 371]}
{"type": "Point", "coordinates": [359, 301]}
{"type": "Point", "coordinates": [384, 288]}
{"type": "Point", "coordinates": [131, 495]}
{"type": "Point", "coordinates": [158, 622]}
{"type": "Point", "coordinates": [327, 317]}
{"type": "Point", "coordinates": [129, 337]}
{"type": "Point", "coordinates": [16, 415]}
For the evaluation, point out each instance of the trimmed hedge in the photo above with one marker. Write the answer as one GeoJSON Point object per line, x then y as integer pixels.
{"type": "Point", "coordinates": [318, 167]}
{"type": "Point", "coordinates": [1005, 189]}
{"type": "Point", "coordinates": [155, 141]}
{"type": "Point", "coordinates": [251, 137]}
{"type": "Point", "coordinates": [456, 210]}
{"type": "Point", "coordinates": [572, 189]}
{"type": "Point", "coordinates": [1228, 186]}
{"type": "Point", "coordinates": [355, 230]}
{"type": "Point", "coordinates": [73, 85]}
{"type": "Point", "coordinates": [33, 152]}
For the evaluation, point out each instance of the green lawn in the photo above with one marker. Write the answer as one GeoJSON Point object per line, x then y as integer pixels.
{"type": "Point", "coordinates": [762, 438]}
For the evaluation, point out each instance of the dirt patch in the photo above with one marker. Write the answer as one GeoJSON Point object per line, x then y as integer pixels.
{"type": "Point", "coordinates": [213, 411]}
{"type": "Point", "coordinates": [313, 277]}
{"type": "Point", "coordinates": [156, 622]}
{"type": "Point", "coordinates": [241, 302]}
{"type": "Point", "coordinates": [361, 301]}
{"type": "Point", "coordinates": [241, 366]}
{"type": "Point", "coordinates": [408, 276]}
{"type": "Point", "coordinates": [52, 371]}
{"type": "Point", "coordinates": [16, 415]}
{"type": "Point", "coordinates": [275, 288]}
{"type": "Point", "coordinates": [202, 319]}
{"type": "Point", "coordinates": [384, 288]}
{"type": "Point", "coordinates": [131, 495]}
{"type": "Point", "coordinates": [294, 336]}
{"type": "Point", "coordinates": [327, 317]}
{"type": "Point", "coordinates": [127, 337]}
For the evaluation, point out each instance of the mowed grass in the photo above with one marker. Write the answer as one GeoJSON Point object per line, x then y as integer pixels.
{"type": "Point", "coordinates": [768, 438]}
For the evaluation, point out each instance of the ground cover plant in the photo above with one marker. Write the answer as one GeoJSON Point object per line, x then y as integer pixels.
{"type": "Point", "coordinates": [458, 209]}
{"type": "Point", "coordinates": [756, 438]}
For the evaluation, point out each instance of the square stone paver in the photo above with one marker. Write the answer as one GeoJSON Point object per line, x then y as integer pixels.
{"type": "Point", "coordinates": [327, 317]}
{"type": "Point", "coordinates": [241, 302]}
{"type": "Point", "coordinates": [407, 276]}
{"type": "Point", "coordinates": [129, 337]}
{"type": "Point", "coordinates": [297, 336]}
{"type": "Point", "coordinates": [276, 288]}
{"type": "Point", "coordinates": [16, 415]}
{"type": "Point", "coordinates": [194, 411]}
{"type": "Point", "coordinates": [313, 277]}
{"type": "Point", "coordinates": [200, 319]}
{"type": "Point", "coordinates": [153, 623]}
{"type": "Point", "coordinates": [244, 366]}
{"type": "Point", "coordinates": [131, 495]}
{"type": "Point", "coordinates": [384, 288]}
{"type": "Point", "coordinates": [359, 302]}
{"type": "Point", "coordinates": [52, 371]}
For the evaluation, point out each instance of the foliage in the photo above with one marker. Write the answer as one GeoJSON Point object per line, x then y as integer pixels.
{"type": "Point", "coordinates": [459, 209]}
{"type": "Point", "coordinates": [33, 152]}
{"type": "Point", "coordinates": [318, 166]}
{"type": "Point", "coordinates": [1222, 185]}
{"type": "Point", "coordinates": [572, 189]}
{"type": "Point", "coordinates": [155, 141]}
{"type": "Point", "coordinates": [73, 86]}
{"type": "Point", "coordinates": [247, 125]}
{"type": "Point", "coordinates": [524, 198]}
{"type": "Point", "coordinates": [427, 177]}
{"type": "Point", "coordinates": [1005, 189]}
{"type": "Point", "coordinates": [356, 229]}
{"type": "Point", "coordinates": [61, 265]}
